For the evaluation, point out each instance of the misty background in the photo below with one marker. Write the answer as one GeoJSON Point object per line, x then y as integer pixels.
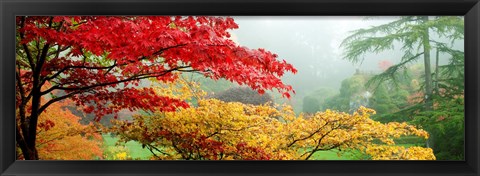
{"type": "Point", "coordinates": [312, 45]}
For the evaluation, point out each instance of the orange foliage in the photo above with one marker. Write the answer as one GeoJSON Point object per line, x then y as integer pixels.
{"type": "Point", "coordinates": [61, 137]}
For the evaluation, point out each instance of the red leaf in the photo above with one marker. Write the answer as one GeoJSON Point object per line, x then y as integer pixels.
{"type": "Point", "coordinates": [143, 47]}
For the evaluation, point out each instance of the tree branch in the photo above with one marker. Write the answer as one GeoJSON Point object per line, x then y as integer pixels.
{"type": "Point", "coordinates": [86, 88]}
{"type": "Point", "coordinates": [377, 79]}
{"type": "Point", "coordinates": [309, 136]}
{"type": "Point", "coordinates": [22, 143]}
{"type": "Point", "coordinates": [320, 142]}
{"type": "Point", "coordinates": [25, 47]}
{"type": "Point", "coordinates": [24, 99]}
{"type": "Point", "coordinates": [51, 101]}
{"type": "Point", "coordinates": [106, 67]}
{"type": "Point", "coordinates": [135, 77]}
{"type": "Point", "coordinates": [151, 148]}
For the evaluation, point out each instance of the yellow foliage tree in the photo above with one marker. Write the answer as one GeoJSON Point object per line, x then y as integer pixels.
{"type": "Point", "coordinates": [216, 130]}
{"type": "Point", "coordinates": [382, 152]}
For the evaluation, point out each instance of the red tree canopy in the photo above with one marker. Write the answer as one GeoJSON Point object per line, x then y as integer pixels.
{"type": "Point", "coordinates": [101, 59]}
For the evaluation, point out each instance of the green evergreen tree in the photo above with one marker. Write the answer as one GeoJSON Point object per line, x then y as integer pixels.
{"type": "Point", "coordinates": [414, 34]}
{"type": "Point", "coordinates": [310, 105]}
{"type": "Point", "coordinates": [322, 94]}
{"type": "Point", "coordinates": [350, 91]}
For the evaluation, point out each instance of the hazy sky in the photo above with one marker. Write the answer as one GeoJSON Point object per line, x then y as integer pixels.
{"type": "Point", "coordinates": [312, 45]}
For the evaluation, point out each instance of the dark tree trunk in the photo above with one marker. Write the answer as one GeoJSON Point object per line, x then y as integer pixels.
{"type": "Point", "coordinates": [437, 71]}
{"type": "Point", "coordinates": [27, 140]}
{"type": "Point", "coordinates": [31, 133]}
{"type": "Point", "coordinates": [428, 76]}
{"type": "Point", "coordinates": [428, 71]}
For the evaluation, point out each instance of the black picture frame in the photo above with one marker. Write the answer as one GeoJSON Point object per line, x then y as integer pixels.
{"type": "Point", "coordinates": [470, 9]}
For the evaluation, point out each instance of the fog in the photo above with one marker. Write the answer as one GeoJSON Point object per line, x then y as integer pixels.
{"type": "Point", "coordinates": [312, 45]}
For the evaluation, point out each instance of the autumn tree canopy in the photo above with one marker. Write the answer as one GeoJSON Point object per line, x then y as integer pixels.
{"type": "Point", "coordinates": [98, 61]}
{"type": "Point", "coordinates": [217, 130]}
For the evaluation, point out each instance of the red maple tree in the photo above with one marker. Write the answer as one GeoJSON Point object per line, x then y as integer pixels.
{"type": "Point", "coordinates": [98, 62]}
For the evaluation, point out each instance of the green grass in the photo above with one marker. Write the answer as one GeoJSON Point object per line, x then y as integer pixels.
{"type": "Point", "coordinates": [330, 155]}
{"type": "Point", "coordinates": [406, 141]}
{"type": "Point", "coordinates": [135, 149]}
{"type": "Point", "coordinates": [333, 155]}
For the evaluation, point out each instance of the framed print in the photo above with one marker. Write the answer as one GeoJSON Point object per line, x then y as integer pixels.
{"type": "Point", "coordinates": [239, 87]}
